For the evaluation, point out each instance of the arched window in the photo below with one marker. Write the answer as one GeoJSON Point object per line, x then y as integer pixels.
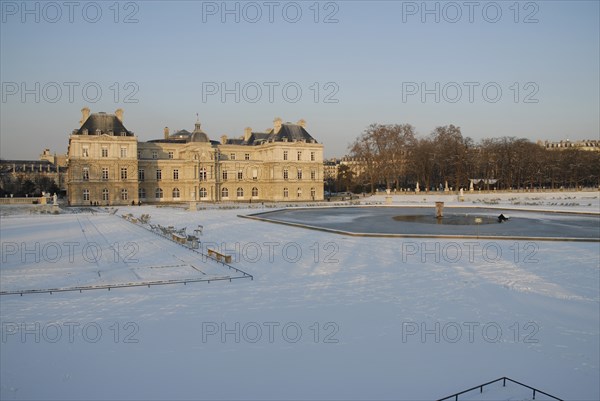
{"type": "Point", "coordinates": [203, 193]}
{"type": "Point", "coordinates": [240, 192]}
{"type": "Point", "coordinates": [224, 193]}
{"type": "Point", "coordinates": [286, 193]}
{"type": "Point", "coordinates": [158, 193]}
{"type": "Point", "coordinates": [254, 192]}
{"type": "Point", "coordinates": [175, 193]}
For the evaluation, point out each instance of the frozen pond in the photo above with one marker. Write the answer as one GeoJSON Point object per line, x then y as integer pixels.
{"type": "Point", "coordinates": [456, 221]}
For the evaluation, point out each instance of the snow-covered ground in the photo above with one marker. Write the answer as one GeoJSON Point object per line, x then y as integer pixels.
{"type": "Point", "coordinates": [326, 316]}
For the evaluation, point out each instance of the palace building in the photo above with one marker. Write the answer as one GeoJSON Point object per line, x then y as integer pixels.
{"type": "Point", "coordinates": [107, 165]}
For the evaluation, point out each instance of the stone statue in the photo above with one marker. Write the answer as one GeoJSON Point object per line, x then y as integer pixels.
{"type": "Point", "coordinates": [54, 198]}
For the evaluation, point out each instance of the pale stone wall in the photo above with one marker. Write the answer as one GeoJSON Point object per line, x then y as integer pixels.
{"type": "Point", "coordinates": [190, 170]}
{"type": "Point", "coordinates": [86, 152]}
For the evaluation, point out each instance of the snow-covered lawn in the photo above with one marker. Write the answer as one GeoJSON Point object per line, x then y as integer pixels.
{"type": "Point", "coordinates": [326, 316]}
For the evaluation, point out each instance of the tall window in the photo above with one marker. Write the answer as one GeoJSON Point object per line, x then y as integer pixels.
{"type": "Point", "coordinates": [123, 152]}
{"type": "Point", "coordinates": [124, 194]}
{"type": "Point", "coordinates": [104, 173]}
{"type": "Point", "coordinates": [312, 156]}
{"type": "Point", "coordinates": [105, 194]}
{"type": "Point", "coordinates": [285, 155]}
{"type": "Point", "coordinates": [141, 193]}
{"type": "Point", "coordinates": [240, 192]}
{"type": "Point", "coordinates": [299, 192]}
{"type": "Point", "coordinates": [141, 174]}
{"type": "Point", "coordinates": [240, 175]}
{"type": "Point", "coordinates": [299, 173]}
{"type": "Point", "coordinates": [285, 174]}
{"type": "Point", "coordinates": [299, 155]}
{"type": "Point", "coordinates": [86, 194]}
{"type": "Point", "coordinates": [286, 193]}
{"type": "Point", "coordinates": [232, 156]}
{"type": "Point", "coordinates": [158, 174]}
{"type": "Point", "coordinates": [175, 174]}
{"type": "Point", "coordinates": [203, 174]}
{"type": "Point", "coordinates": [313, 175]}
{"type": "Point", "coordinates": [104, 151]}
{"type": "Point", "coordinates": [254, 192]}
{"type": "Point", "coordinates": [158, 194]}
{"type": "Point", "coordinates": [85, 174]}
{"type": "Point", "coordinates": [171, 154]}
{"type": "Point", "coordinates": [203, 193]}
{"type": "Point", "coordinates": [154, 154]}
{"type": "Point", "coordinates": [313, 193]}
{"type": "Point", "coordinates": [123, 173]}
{"type": "Point", "coordinates": [246, 156]}
{"type": "Point", "coordinates": [224, 193]}
{"type": "Point", "coordinates": [224, 175]}
{"type": "Point", "coordinates": [176, 193]}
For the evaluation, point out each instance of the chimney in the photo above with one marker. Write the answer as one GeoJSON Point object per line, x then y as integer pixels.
{"type": "Point", "coordinates": [85, 113]}
{"type": "Point", "coordinates": [277, 124]}
{"type": "Point", "coordinates": [119, 114]}
{"type": "Point", "coordinates": [166, 131]}
{"type": "Point", "coordinates": [302, 123]}
{"type": "Point", "coordinates": [223, 139]}
{"type": "Point", "coordinates": [247, 133]}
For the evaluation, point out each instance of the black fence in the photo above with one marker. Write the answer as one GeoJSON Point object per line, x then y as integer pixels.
{"type": "Point", "coordinates": [503, 379]}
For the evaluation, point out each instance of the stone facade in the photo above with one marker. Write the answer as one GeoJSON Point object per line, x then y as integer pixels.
{"type": "Point", "coordinates": [589, 145]}
{"type": "Point", "coordinates": [109, 166]}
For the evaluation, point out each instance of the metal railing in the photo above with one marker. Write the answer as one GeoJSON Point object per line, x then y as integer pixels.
{"type": "Point", "coordinates": [504, 379]}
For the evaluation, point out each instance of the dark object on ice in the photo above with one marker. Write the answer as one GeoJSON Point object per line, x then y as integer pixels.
{"type": "Point", "coordinates": [502, 218]}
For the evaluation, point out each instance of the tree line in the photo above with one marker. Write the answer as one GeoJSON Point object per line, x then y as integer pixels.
{"type": "Point", "coordinates": [393, 156]}
{"type": "Point", "coordinates": [26, 185]}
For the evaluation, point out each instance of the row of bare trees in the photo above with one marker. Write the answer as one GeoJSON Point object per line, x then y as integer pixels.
{"type": "Point", "coordinates": [392, 156]}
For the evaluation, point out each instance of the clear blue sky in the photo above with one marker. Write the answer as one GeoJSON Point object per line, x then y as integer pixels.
{"type": "Point", "coordinates": [373, 58]}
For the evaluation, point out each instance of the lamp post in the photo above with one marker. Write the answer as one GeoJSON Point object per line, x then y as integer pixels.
{"type": "Point", "coordinates": [478, 221]}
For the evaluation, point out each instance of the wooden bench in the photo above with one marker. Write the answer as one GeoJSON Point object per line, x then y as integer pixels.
{"type": "Point", "coordinates": [219, 255]}
{"type": "Point", "coordinates": [179, 238]}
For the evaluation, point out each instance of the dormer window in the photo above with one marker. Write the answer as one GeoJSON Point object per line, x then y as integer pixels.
{"type": "Point", "coordinates": [98, 132]}
{"type": "Point", "coordinates": [123, 133]}
{"type": "Point", "coordinates": [110, 132]}
{"type": "Point", "coordinates": [85, 131]}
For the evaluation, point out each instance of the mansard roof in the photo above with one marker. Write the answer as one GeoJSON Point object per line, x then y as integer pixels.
{"type": "Point", "coordinates": [102, 123]}
{"type": "Point", "coordinates": [292, 133]}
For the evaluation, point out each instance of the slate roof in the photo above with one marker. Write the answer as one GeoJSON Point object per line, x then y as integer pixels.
{"type": "Point", "coordinates": [292, 132]}
{"type": "Point", "coordinates": [102, 123]}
